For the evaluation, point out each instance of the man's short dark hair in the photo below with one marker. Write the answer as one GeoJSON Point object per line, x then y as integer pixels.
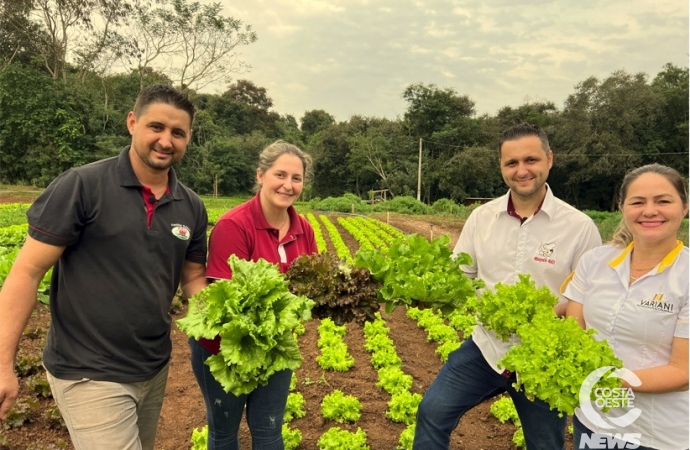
{"type": "Point", "coordinates": [523, 130]}
{"type": "Point", "coordinates": [166, 94]}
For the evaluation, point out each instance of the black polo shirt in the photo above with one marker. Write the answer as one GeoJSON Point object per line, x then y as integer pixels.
{"type": "Point", "coordinates": [111, 289]}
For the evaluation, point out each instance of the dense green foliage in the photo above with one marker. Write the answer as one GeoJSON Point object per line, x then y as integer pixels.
{"type": "Point", "coordinates": [64, 99]}
{"type": "Point", "coordinates": [554, 358]}
{"type": "Point", "coordinates": [415, 270]}
{"type": "Point", "coordinates": [554, 355]}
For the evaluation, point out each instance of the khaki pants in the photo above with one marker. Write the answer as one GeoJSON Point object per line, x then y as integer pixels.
{"type": "Point", "coordinates": [102, 415]}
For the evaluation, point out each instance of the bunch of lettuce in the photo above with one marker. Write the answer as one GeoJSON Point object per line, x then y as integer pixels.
{"type": "Point", "coordinates": [340, 291]}
{"type": "Point", "coordinates": [254, 314]}
{"type": "Point", "coordinates": [554, 355]}
{"type": "Point", "coordinates": [554, 358]}
{"type": "Point", "coordinates": [415, 270]}
{"type": "Point", "coordinates": [511, 305]}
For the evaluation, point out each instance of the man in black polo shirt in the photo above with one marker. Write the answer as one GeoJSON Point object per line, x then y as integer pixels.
{"type": "Point", "coordinates": [121, 235]}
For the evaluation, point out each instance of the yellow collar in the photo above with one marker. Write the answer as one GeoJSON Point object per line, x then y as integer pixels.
{"type": "Point", "coordinates": [667, 261]}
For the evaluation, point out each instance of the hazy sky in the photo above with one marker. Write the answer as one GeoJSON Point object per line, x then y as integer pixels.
{"type": "Point", "coordinates": [357, 56]}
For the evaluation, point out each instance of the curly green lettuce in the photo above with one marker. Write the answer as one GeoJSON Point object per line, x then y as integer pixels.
{"type": "Point", "coordinates": [254, 313]}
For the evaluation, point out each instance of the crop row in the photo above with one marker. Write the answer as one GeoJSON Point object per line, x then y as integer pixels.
{"type": "Point", "coordinates": [318, 234]}
{"type": "Point", "coordinates": [403, 404]}
{"type": "Point", "coordinates": [370, 234]}
{"type": "Point", "coordinates": [341, 249]}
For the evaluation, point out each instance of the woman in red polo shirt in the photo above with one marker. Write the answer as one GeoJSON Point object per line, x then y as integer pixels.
{"type": "Point", "coordinates": [266, 227]}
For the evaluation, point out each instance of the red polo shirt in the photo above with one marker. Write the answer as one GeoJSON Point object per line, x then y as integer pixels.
{"type": "Point", "coordinates": [243, 231]}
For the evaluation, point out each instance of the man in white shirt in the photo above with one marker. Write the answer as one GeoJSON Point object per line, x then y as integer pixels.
{"type": "Point", "coordinates": [526, 231]}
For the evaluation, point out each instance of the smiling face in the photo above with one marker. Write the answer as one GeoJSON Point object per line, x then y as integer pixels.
{"type": "Point", "coordinates": [159, 136]}
{"type": "Point", "coordinates": [282, 183]}
{"type": "Point", "coordinates": [525, 167]}
{"type": "Point", "coordinates": [653, 210]}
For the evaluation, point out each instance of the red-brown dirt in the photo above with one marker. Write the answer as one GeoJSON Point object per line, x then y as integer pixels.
{"type": "Point", "coordinates": [183, 408]}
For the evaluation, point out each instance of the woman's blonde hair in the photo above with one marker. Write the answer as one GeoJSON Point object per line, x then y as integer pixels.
{"type": "Point", "coordinates": [272, 152]}
{"type": "Point", "coordinates": [622, 236]}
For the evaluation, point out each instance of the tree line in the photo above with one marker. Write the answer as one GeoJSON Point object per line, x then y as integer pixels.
{"type": "Point", "coordinates": [70, 71]}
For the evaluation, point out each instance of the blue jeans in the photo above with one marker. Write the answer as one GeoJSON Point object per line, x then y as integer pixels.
{"type": "Point", "coordinates": [580, 429]}
{"type": "Point", "coordinates": [467, 380]}
{"type": "Point", "coordinates": [265, 407]}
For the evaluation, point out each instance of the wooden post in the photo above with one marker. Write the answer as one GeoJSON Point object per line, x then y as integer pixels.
{"type": "Point", "coordinates": [419, 172]}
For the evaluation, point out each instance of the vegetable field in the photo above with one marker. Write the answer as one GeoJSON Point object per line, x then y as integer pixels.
{"type": "Point", "coordinates": [345, 380]}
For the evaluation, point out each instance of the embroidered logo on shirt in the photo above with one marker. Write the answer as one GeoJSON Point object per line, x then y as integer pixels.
{"type": "Point", "coordinates": [181, 231]}
{"type": "Point", "coordinates": [657, 303]}
{"type": "Point", "coordinates": [546, 250]}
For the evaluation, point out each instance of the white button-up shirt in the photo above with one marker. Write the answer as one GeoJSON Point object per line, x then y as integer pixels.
{"type": "Point", "coordinates": [547, 246]}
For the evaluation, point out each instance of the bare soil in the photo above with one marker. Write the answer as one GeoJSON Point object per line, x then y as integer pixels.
{"type": "Point", "coordinates": [183, 409]}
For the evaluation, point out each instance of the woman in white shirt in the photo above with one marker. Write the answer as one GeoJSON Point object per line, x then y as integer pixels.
{"type": "Point", "coordinates": [634, 292]}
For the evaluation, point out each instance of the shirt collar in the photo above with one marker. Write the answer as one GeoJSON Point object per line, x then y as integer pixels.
{"type": "Point", "coordinates": [262, 224]}
{"type": "Point", "coordinates": [668, 260]}
{"type": "Point", "coordinates": [546, 205]}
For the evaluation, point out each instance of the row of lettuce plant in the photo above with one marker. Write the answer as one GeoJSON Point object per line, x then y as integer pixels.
{"type": "Point", "coordinates": [334, 353]}
{"type": "Point", "coordinates": [341, 249]}
{"type": "Point", "coordinates": [381, 234]}
{"type": "Point", "coordinates": [402, 407]}
{"type": "Point", "coordinates": [28, 365]}
{"type": "Point", "coordinates": [294, 409]}
{"type": "Point", "coordinates": [389, 229]}
{"type": "Point", "coordinates": [437, 330]}
{"type": "Point", "coordinates": [12, 238]}
{"type": "Point", "coordinates": [462, 320]}
{"type": "Point", "coordinates": [318, 233]}
{"type": "Point", "coordinates": [337, 406]}
{"type": "Point", "coordinates": [367, 239]}
{"type": "Point", "coordinates": [13, 214]}
{"type": "Point", "coordinates": [357, 233]}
